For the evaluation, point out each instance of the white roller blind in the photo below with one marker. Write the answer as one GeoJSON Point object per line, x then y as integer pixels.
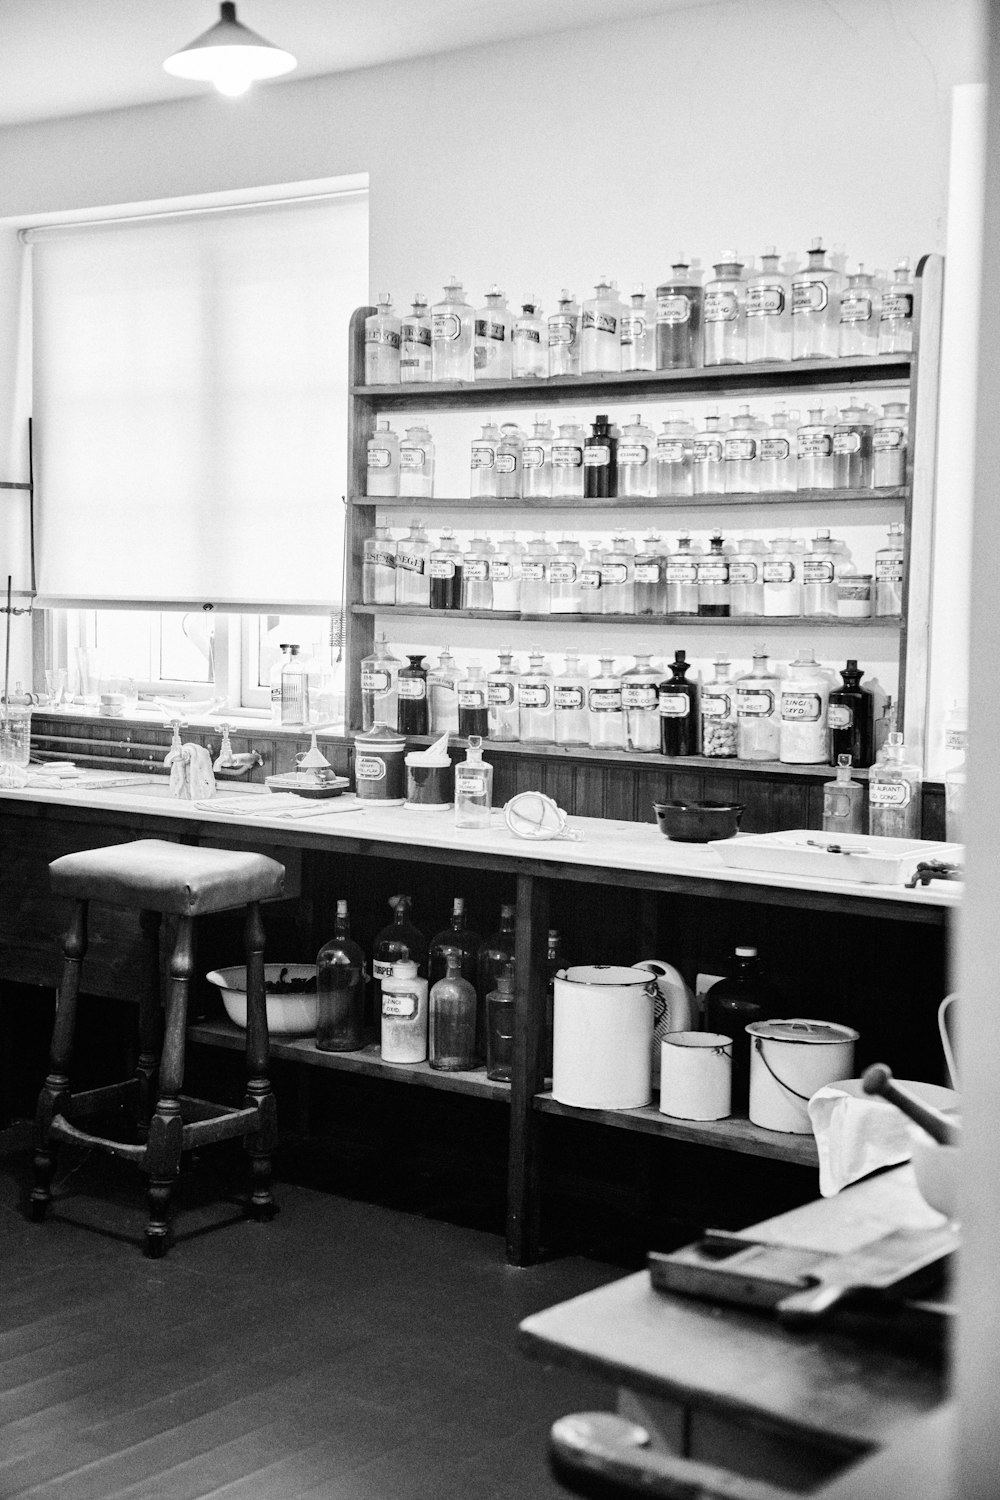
{"type": "Point", "coordinates": [190, 403]}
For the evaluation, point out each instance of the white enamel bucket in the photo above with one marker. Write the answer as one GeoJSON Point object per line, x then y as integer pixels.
{"type": "Point", "coordinates": [696, 1075]}
{"type": "Point", "coordinates": [789, 1061]}
{"type": "Point", "coordinates": [602, 1035]}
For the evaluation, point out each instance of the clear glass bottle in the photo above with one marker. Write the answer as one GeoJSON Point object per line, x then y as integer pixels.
{"type": "Point", "coordinates": [776, 471]}
{"type": "Point", "coordinates": [399, 942]}
{"type": "Point", "coordinates": [379, 688]}
{"type": "Point", "coordinates": [564, 578]}
{"type": "Point", "coordinates": [274, 683]}
{"type": "Point", "coordinates": [641, 704]}
{"type": "Point", "coordinates": [473, 787]}
{"type": "Point", "coordinates": [483, 471]}
{"type": "Point", "coordinates": [415, 344]}
{"type": "Point", "coordinates": [814, 469]}
{"type": "Point", "coordinates": [638, 333]}
{"type": "Point", "coordinates": [894, 791]}
{"type": "Point", "coordinates": [536, 589]}
{"type": "Point", "coordinates": [746, 578]}
{"type": "Point", "coordinates": [412, 708]}
{"type": "Point", "coordinates": [852, 449]}
{"type": "Point", "coordinates": [453, 324]}
{"type": "Point", "coordinates": [536, 476]}
{"type": "Point", "coordinates": [674, 457]}
{"type": "Point", "coordinates": [473, 711]}
{"type": "Point", "coordinates": [382, 340]}
{"type": "Point", "coordinates": [378, 568]}
{"type": "Point", "coordinates": [889, 568]}
{"type": "Point", "coordinates": [383, 460]}
{"type": "Point", "coordinates": [636, 458]}
{"type": "Point", "coordinates": [294, 688]}
{"type": "Point", "coordinates": [706, 457]}
{"type": "Point", "coordinates": [564, 336]}
{"type": "Point", "coordinates": [600, 331]}
{"type": "Point", "coordinates": [567, 461]}
{"type": "Point", "coordinates": [442, 694]}
{"type": "Point", "coordinates": [590, 579]}
{"type": "Point", "coordinates": [500, 1027]}
{"type": "Point", "coordinates": [416, 463]}
{"type": "Point", "coordinates": [782, 578]}
{"type": "Point", "coordinates": [651, 576]}
{"type": "Point", "coordinates": [758, 713]}
{"type": "Point", "coordinates": [680, 710]}
{"type": "Point", "coordinates": [452, 1027]}
{"type": "Point", "coordinates": [679, 302]}
{"type": "Point", "coordinates": [510, 461]}
{"type": "Point", "coordinates": [412, 578]}
{"type": "Point", "coordinates": [604, 707]}
{"type": "Point", "coordinates": [571, 720]}
{"type": "Point", "coordinates": [819, 582]}
{"type": "Point", "coordinates": [505, 573]}
{"type": "Point", "coordinates": [458, 939]}
{"type": "Point", "coordinates": [535, 702]}
{"type": "Point", "coordinates": [618, 577]}
{"type": "Point", "coordinates": [501, 694]}
{"type": "Point", "coordinates": [444, 568]}
{"type": "Point", "coordinates": [956, 735]}
{"type": "Point", "coordinates": [530, 354]}
{"type": "Point", "coordinates": [852, 718]}
{"type": "Point", "coordinates": [805, 694]}
{"type": "Point", "coordinates": [726, 313]}
{"type": "Point", "coordinates": [477, 586]}
{"type": "Point", "coordinates": [403, 1011]}
{"type": "Point", "coordinates": [741, 456]}
{"type": "Point", "coordinates": [816, 307]}
{"type": "Point", "coordinates": [719, 724]}
{"type": "Point", "coordinates": [340, 990]}
{"type": "Point", "coordinates": [895, 326]}
{"type": "Point", "coordinates": [682, 577]}
{"type": "Point", "coordinates": [492, 345]}
{"type": "Point", "coordinates": [600, 461]}
{"type": "Point", "coordinates": [889, 446]}
{"type": "Point", "coordinates": [859, 316]}
{"type": "Point", "coordinates": [713, 581]}
{"type": "Point", "coordinates": [843, 801]}
{"type": "Point", "coordinates": [769, 311]}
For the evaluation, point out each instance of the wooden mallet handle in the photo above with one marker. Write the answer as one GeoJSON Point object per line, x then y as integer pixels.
{"type": "Point", "coordinates": [942, 1128]}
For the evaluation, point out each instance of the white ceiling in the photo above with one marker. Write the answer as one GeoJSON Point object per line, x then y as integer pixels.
{"type": "Point", "coordinates": [69, 57]}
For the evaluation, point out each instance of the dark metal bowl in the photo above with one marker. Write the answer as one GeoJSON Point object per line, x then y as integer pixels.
{"type": "Point", "coordinates": [698, 822]}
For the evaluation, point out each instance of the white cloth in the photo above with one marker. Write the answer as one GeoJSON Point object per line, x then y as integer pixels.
{"type": "Point", "coordinates": [858, 1133]}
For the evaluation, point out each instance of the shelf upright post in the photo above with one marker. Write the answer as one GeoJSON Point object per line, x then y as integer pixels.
{"type": "Point", "coordinates": [359, 520]}
{"type": "Point", "coordinates": [528, 1071]}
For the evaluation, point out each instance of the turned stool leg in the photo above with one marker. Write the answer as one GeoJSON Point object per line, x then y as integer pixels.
{"type": "Point", "coordinates": [261, 1142]}
{"type": "Point", "coordinates": [163, 1148]}
{"type": "Point", "coordinates": [150, 1021]}
{"type": "Point", "coordinates": [56, 1086]}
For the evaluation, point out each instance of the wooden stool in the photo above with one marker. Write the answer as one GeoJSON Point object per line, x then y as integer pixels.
{"type": "Point", "coordinates": [153, 877]}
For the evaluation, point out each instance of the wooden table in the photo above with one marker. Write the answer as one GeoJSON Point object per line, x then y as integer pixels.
{"type": "Point", "coordinates": [732, 1388]}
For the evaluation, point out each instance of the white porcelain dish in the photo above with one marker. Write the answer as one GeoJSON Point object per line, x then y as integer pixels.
{"type": "Point", "coordinates": [292, 1014]}
{"type": "Point", "coordinates": [831, 856]}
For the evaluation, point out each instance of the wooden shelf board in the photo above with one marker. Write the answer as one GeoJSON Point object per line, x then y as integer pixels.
{"type": "Point", "coordinates": [759, 622]}
{"type": "Point", "coordinates": [734, 1134]}
{"type": "Point", "coordinates": [367, 1062]}
{"type": "Point", "coordinates": [497, 506]}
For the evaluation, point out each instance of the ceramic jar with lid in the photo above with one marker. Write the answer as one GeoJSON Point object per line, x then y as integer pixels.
{"type": "Point", "coordinates": [378, 766]}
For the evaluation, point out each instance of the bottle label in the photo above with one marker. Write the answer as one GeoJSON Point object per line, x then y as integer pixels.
{"type": "Point", "coordinates": [897, 306]}
{"type": "Point", "coordinates": [669, 450]}
{"type": "Point", "coordinates": [534, 572]}
{"type": "Point", "coordinates": [886, 438]}
{"type": "Point", "coordinates": [412, 687]}
{"type": "Point", "coordinates": [470, 783]}
{"type": "Point", "coordinates": [442, 567]}
{"type": "Point", "coordinates": [707, 451]}
{"type": "Point", "coordinates": [716, 705]}
{"type": "Point", "coordinates": [410, 562]}
{"type": "Point", "coordinates": [954, 739]}
{"type": "Point", "coordinates": [721, 307]}
{"type": "Point", "coordinates": [815, 444]}
{"type": "Point", "coordinates": [641, 695]}
{"type": "Point", "coordinates": [506, 463]}
{"type": "Point", "coordinates": [847, 442]}
{"type": "Point", "coordinates": [743, 572]}
{"type": "Point", "coordinates": [801, 708]}
{"type": "Point", "coordinates": [597, 456]}
{"type": "Point", "coordinates": [765, 301]}
{"type": "Point", "coordinates": [856, 307]}
{"type": "Point", "coordinates": [633, 328]}
{"type": "Point", "coordinates": [754, 703]}
{"type": "Point", "coordinates": [496, 329]}
{"type": "Point", "coordinates": [523, 334]}
{"type": "Point", "coordinates": [471, 697]}
{"type": "Point", "coordinates": [381, 559]}
{"type": "Point", "coordinates": [381, 968]}
{"type": "Point", "coordinates": [632, 455]}
{"type": "Point", "coordinates": [817, 571]}
{"type": "Point", "coordinates": [613, 573]}
{"type": "Point", "coordinates": [418, 334]}
{"type": "Point", "coordinates": [889, 793]}
{"type": "Point", "coordinates": [674, 705]}
{"type": "Point", "coordinates": [375, 680]}
{"type": "Point", "coordinates": [369, 768]}
{"type": "Point", "coordinates": [839, 716]}
{"type": "Point", "coordinates": [681, 571]}
{"type": "Point", "coordinates": [809, 295]}
{"type": "Point", "coordinates": [483, 456]}
{"type": "Point", "coordinates": [775, 449]}
{"type": "Point", "coordinates": [533, 456]}
{"type": "Point", "coordinates": [534, 694]}
{"type": "Point", "coordinates": [739, 450]}
{"type": "Point", "coordinates": [601, 322]}
{"type": "Point", "coordinates": [648, 572]}
{"type": "Point", "coordinates": [562, 572]}
{"type": "Point", "coordinates": [590, 577]}
{"type": "Point", "coordinates": [399, 1002]}
{"type": "Point", "coordinates": [445, 327]}
{"type": "Point", "coordinates": [379, 458]}
{"type": "Point", "coordinates": [478, 570]}
{"type": "Point", "coordinates": [604, 700]}
{"type": "Point", "coordinates": [500, 694]}
{"type": "Point", "coordinates": [673, 307]}
{"type": "Point", "coordinates": [713, 571]}
{"type": "Point", "coordinates": [568, 699]}
{"type": "Point", "coordinates": [562, 329]}
{"type": "Point", "coordinates": [779, 572]}
{"type": "Point", "coordinates": [379, 334]}
{"type": "Point", "coordinates": [889, 569]}
{"type": "Point", "coordinates": [837, 803]}
{"type": "Point", "coordinates": [501, 570]}
{"type": "Point", "coordinates": [412, 458]}
{"type": "Point", "coordinates": [566, 456]}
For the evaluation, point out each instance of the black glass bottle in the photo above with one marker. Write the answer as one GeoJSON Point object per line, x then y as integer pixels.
{"type": "Point", "coordinates": [411, 685]}
{"type": "Point", "coordinates": [454, 939]}
{"type": "Point", "coordinates": [399, 940]}
{"type": "Point", "coordinates": [745, 995]}
{"type": "Point", "coordinates": [600, 461]}
{"type": "Point", "coordinates": [340, 990]}
{"type": "Point", "coordinates": [445, 568]}
{"type": "Point", "coordinates": [852, 718]}
{"type": "Point", "coordinates": [680, 710]}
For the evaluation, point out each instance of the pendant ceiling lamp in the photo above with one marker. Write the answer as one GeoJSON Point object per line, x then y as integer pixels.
{"type": "Point", "coordinates": [230, 55]}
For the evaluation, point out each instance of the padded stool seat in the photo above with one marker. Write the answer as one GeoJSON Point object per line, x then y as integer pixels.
{"type": "Point", "coordinates": [155, 877]}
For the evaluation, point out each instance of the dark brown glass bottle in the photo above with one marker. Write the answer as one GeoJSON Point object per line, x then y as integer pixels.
{"type": "Point", "coordinates": [398, 941]}
{"type": "Point", "coordinates": [852, 718]}
{"type": "Point", "coordinates": [745, 995]}
{"type": "Point", "coordinates": [600, 461]}
{"type": "Point", "coordinates": [340, 990]}
{"type": "Point", "coordinates": [412, 702]}
{"type": "Point", "coordinates": [680, 710]}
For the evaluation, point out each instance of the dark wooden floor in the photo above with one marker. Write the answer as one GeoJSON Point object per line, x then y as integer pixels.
{"type": "Point", "coordinates": [345, 1352]}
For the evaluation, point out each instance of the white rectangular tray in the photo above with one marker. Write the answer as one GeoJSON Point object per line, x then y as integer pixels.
{"type": "Point", "coordinates": [804, 851]}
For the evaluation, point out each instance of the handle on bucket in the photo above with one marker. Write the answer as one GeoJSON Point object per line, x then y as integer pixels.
{"type": "Point", "coordinates": [759, 1047]}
